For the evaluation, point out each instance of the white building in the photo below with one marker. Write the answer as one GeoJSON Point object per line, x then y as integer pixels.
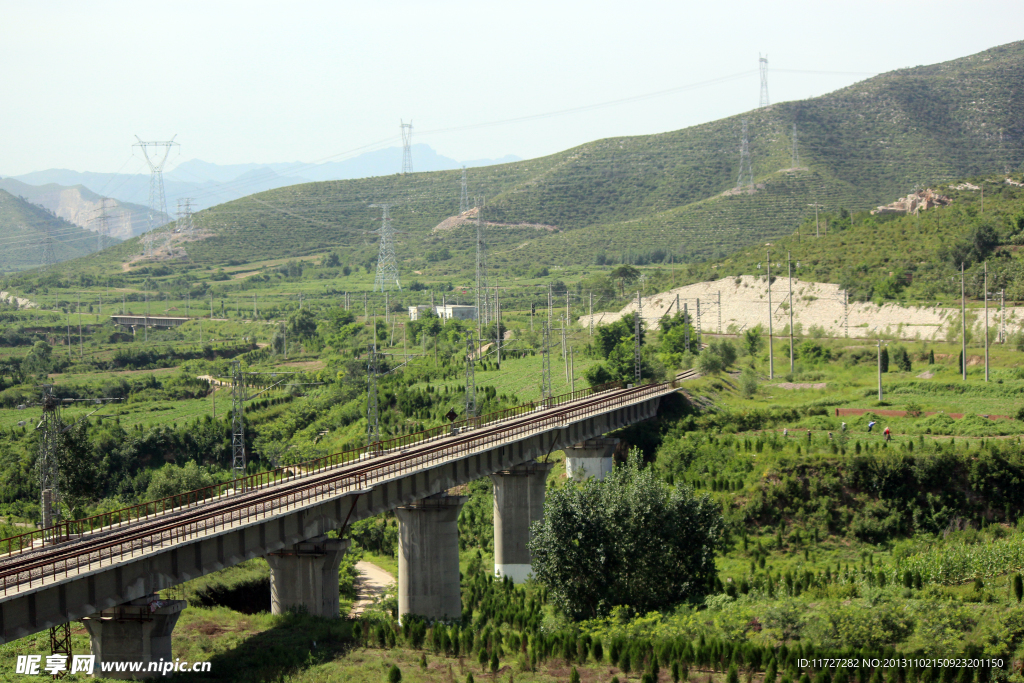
{"type": "Point", "coordinates": [416, 312]}
{"type": "Point", "coordinates": [450, 312]}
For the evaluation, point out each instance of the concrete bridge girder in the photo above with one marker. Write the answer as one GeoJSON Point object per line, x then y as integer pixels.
{"type": "Point", "coordinates": [89, 591]}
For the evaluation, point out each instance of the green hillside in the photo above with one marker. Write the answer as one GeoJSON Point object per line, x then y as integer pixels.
{"type": "Point", "coordinates": [24, 228]}
{"type": "Point", "coordinates": [668, 196]}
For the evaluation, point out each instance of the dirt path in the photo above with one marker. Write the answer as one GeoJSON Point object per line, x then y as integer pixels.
{"type": "Point", "coordinates": [370, 585]}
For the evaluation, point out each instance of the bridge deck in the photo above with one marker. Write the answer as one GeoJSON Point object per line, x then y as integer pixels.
{"type": "Point", "coordinates": [96, 550]}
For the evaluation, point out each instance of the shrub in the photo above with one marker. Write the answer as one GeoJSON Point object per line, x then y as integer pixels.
{"type": "Point", "coordinates": [394, 674]}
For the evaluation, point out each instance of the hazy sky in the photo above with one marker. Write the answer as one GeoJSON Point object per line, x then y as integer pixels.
{"type": "Point", "coordinates": [263, 82]}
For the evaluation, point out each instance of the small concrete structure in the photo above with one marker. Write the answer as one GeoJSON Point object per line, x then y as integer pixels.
{"type": "Point", "coordinates": [147, 320]}
{"type": "Point", "coordinates": [590, 458]}
{"type": "Point", "coordinates": [139, 631]}
{"type": "Point", "coordinates": [518, 503]}
{"type": "Point", "coordinates": [417, 312]}
{"type": "Point", "coordinates": [450, 312]}
{"type": "Point", "coordinates": [305, 576]}
{"type": "Point", "coordinates": [428, 557]}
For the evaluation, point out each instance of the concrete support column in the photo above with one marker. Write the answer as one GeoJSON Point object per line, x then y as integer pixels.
{"type": "Point", "coordinates": [428, 557]}
{"type": "Point", "coordinates": [590, 458]}
{"type": "Point", "coordinates": [518, 502]}
{"type": "Point", "coordinates": [139, 631]}
{"type": "Point", "coordinates": [306, 577]}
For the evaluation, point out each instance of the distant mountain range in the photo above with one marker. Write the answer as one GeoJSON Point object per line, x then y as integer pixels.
{"type": "Point", "coordinates": [209, 184]}
{"type": "Point", "coordinates": [33, 236]}
{"type": "Point", "coordinates": [81, 206]}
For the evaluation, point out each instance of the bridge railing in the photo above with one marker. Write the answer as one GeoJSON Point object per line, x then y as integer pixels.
{"type": "Point", "coordinates": [113, 519]}
{"type": "Point", "coordinates": [196, 523]}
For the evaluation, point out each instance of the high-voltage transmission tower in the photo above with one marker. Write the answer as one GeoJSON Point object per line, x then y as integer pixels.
{"type": "Point", "coordinates": [185, 225]}
{"type": "Point", "coordinates": [482, 302]}
{"type": "Point", "coordinates": [49, 255]}
{"type": "Point", "coordinates": [746, 177]}
{"type": "Point", "coordinates": [157, 200]}
{"type": "Point", "coordinates": [763, 65]}
{"type": "Point", "coordinates": [387, 265]}
{"type": "Point", "coordinates": [102, 221]}
{"type": "Point", "coordinates": [237, 421]}
{"type": "Point", "coordinates": [464, 197]}
{"type": "Point", "coordinates": [372, 409]}
{"type": "Point", "coordinates": [48, 463]}
{"type": "Point", "coordinates": [406, 146]}
{"type": "Point", "coordinates": [470, 378]}
{"type": "Point", "coordinates": [636, 338]}
{"type": "Point", "coordinates": [545, 381]}
{"type": "Point", "coordinates": [796, 155]}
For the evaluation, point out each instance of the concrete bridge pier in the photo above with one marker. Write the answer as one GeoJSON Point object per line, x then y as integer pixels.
{"type": "Point", "coordinates": [518, 502]}
{"type": "Point", "coordinates": [305, 576]}
{"type": "Point", "coordinates": [590, 458]}
{"type": "Point", "coordinates": [428, 557]}
{"type": "Point", "coordinates": [139, 631]}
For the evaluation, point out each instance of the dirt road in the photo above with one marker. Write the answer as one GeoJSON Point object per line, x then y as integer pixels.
{"type": "Point", "coordinates": [370, 585]}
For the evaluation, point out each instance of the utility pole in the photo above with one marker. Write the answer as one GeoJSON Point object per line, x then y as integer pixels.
{"type": "Point", "coordinates": [846, 311]}
{"type": "Point", "coordinates": [372, 410]}
{"type": "Point", "coordinates": [565, 355]}
{"type": "Point", "coordinates": [464, 196]}
{"type": "Point", "coordinates": [699, 328]}
{"type": "Point", "coordinates": [746, 177]}
{"type": "Point", "coordinates": [591, 314]}
{"type": "Point", "coordinates": [796, 157]}
{"type": "Point", "coordinates": [387, 264]}
{"type": "Point", "coordinates": [817, 228]}
{"type": "Point", "coordinates": [572, 371]}
{"type": "Point", "coordinates": [498, 336]}
{"type": "Point", "coordinates": [157, 200]}
{"type": "Point", "coordinates": [254, 314]}
{"type": "Point", "coordinates": [549, 305]}
{"type": "Point", "coordinates": [481, 275]}
{"type": "Point", "coordinates": [771, 335]}
{"type": "Point", "coordinates": [879, 370]}
{"type": "Point", "coordinates": [406, 146]}
{"type": "Point", "coordinates": [986, 320]}
{"type": "Point", "coordinates": [81, 345]}
{"type": "Point", "coordinates": [545, 381]}
{"type": "Point", "coordinates": [789, 262]}
{"type": "Point", "coordinates": [237, 423]}
{"type": "Point", "coordinates": [719, 311]}
{"type": "Point", "coordinates": [470, 379]}
{"type": "Point", "coordinates": [963, 324]}
{"type": "Point", "coordinates": [762, 63]}
{"type": "Point", "coordinates": [636, 339]}
{"type": "Point", "coordinates": [686, 324]}
{"type": "Point", "coordinates": [147, 316]}
{"type": "Point", "coordinates": [1002, 316]}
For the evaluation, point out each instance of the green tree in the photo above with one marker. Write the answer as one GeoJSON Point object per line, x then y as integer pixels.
{"type": "Point", "coordinates": [748, 382]}
{"type": "Point", "coordinates": [302, 324]}
{"type": "Point", "coordinates": [574, 677]}
{"type": "Point", "coordinates": [494, 662]}
{"type": "Point", "coordinates": [608, 337]}
{"type": "Point", "coordinates": [753, 340]}
{"type": "Point", "coordinates": [170, 480]}
{"type": "Point", "coordinates": [1018, 587]}
{"type": "Point", "coordinates": [625, 274]}
{"type": "Point", "coordinates": [627, 540]}
{"type": "Point", "coordinates": [394, 674]}
{"type": "Point", "coordinates": [709, 362]}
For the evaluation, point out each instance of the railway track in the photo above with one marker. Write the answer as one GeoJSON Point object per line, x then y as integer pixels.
{"type": "Point", "coordinates": [34, 564]}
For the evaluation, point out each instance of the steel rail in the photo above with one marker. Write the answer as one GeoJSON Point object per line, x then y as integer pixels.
{"type": "Point", "coordinates": [275, 488]}
{"type": "Point", "coordinates": [26, 542]}
{"type": "Point", "coordinates": [355, 477]}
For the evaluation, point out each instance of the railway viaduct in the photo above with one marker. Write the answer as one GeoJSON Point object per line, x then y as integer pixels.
{"type": "Point", "coordinates": [107, 571]}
